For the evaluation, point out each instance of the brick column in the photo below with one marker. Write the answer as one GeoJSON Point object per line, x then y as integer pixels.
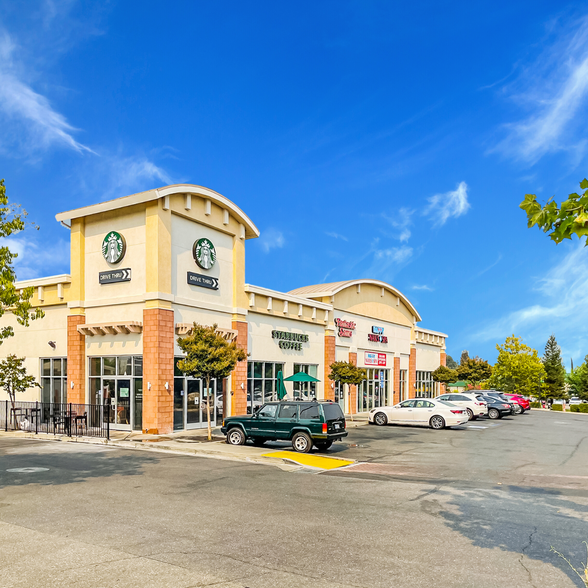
{"type": "Point", "coordinates": [353, 387]}
{"type": "Point", "coordinates": [76, 360]}
{"type": "Point", "coordinates": [158, 368]}
{"type": "Point", "coordinates": [396, 398]}
{"type": "Point", "coordinates": [329, 392]}
{"type": "Point", "coordinates": [239, 374]}
{"type": "Point", "coordinates": [412, 373]}
{"type": "Point", "coordinates": [443, 361]}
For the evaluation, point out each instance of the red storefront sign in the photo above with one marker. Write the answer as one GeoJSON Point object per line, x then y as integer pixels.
{"type": "Point", "coordinates": [345, 328]}
{"type": "Point", "coordinates": [378, 359]}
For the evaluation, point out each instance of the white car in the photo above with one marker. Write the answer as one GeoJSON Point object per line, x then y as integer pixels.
{"type": "Point", "coordinates": [475, 407]}
{"type": "Point", "coordinates": [425, 412]}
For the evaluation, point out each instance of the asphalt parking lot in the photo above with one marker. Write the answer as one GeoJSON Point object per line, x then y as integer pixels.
{"type": "Point", "coordinates": [472, 506]}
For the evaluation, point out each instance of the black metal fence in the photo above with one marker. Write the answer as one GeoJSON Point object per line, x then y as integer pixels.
{"type": "Point", "coordinates": [73, 420]}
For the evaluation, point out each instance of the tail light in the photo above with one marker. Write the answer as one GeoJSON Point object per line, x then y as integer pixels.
{"type": "Point", "coordinates": [324, 427]}
{"type": "Point", "coordinates": [457, 411]}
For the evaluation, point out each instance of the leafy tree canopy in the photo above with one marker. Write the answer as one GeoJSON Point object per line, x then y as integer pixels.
{"type": "Point", "coordinates": [445, 375]}
{"type": "Point", "coordinates": [563, 221]}
{"type": "Point", "coordinates": [578, 381]}
{"type": "Point", "coordinates": [209, 356]}
{"type": "Point", "coordinates": [14, 377]}
{"type": "Point", "coordinates": [464, 357]}
{"type": "Point", "coordinates": [450, 362]}
{"type": "Point", "coordinates": [518, 369]}
{"type": "Point", "coordinates": [555, 373]}
{"type": "Point", "coordinates": [347, 373]}
{"type": "Point", "coordinates": [474, 370]}
{"type": "Point", "coordinates": [12, 221]}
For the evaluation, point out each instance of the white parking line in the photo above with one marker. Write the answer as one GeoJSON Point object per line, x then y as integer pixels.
{"type": "Point", "coordinates": [475, 427]}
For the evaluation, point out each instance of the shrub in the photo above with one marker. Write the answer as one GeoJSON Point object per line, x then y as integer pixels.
{"type": "Point", "coordinates": [535, 405]}
{"type": "Point", "coordinates": [583, 407]}
{"type": "Point", "coordinates": [557, 407]}
{"type": "Point", "coordinates": [575, 408]}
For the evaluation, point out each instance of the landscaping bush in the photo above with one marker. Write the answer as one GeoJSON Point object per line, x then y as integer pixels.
{"type": "Point", "coordinates": [557, 407]}
{"type": "Point", "coordinates": [583, 407]}
{"type": "Point", "coordinates": [575, 408]}
{"type": "Point", "coordinates": [535, 405]}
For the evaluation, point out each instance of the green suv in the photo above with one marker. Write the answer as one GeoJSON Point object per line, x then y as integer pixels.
{"type": "Point", "coordinates": [304, 423]}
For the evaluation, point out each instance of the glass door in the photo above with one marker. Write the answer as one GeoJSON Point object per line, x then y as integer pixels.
{"type": "Point", "coordinates": [123, 403]}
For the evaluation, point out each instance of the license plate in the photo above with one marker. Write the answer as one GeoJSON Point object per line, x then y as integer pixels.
{"type": "Point", "coordinates": [336, 425]}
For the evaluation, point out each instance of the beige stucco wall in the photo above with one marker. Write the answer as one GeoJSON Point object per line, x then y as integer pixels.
{"type": "Point", "coordinates": [428, 357]}
{"type": "Point", "coordinates": [32, 342]}
{"type": "Point", "coordinates": [187, 314]}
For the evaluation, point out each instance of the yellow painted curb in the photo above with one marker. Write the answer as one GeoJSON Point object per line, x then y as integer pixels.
{"type": "Point", "coordinates": [315, 461]}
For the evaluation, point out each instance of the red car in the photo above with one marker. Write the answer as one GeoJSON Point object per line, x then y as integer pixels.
{"type": "Point", "coordinates": [522, 402]}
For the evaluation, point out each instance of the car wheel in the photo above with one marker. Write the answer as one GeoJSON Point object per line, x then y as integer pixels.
{"type": "Point", "coordinates": [518, 409]}
{"type": "Point", "coordinates": [470, 414]}
{"type": "Point", "coordinates": [380, 419]}
{"type": "Point", "coordinates": [323, 445]}
{"type": "Point", "coordinates": [302, 443]}
{"type": "Point", "coordinates": [235, 436]}
{"type": "Point", "coordinates": [493, 413]}
{"type": "Point", "coordinates": [437, 422]}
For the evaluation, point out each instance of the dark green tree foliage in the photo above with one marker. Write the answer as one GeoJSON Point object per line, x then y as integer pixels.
{"type": "Point", "coordinates": [346, 373]}
{"type": "Point", "coordinates": [570, 218]}
{"type": "Point", "coordinates": [208, 356]}
{"type": "Point", "coordinates": [464, 357]}
{"type": "Point", "coordinates": [12, 221]}
{"type": "Point", "coordinates": [474, 370]}
{"type": "Point", "coordinates": [555, 378]}
{"type": "Point", "coordinates": [450, 362]}
{"type": "Point", "coordinates": [445, 375]}
{"type": "Point", "coordinates": [14, 377]}
{"type": "Point", "coordinates": [578, 381]}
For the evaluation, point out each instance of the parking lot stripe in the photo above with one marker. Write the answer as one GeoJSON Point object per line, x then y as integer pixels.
{"type": "Point", "coordinates": [315, 461]}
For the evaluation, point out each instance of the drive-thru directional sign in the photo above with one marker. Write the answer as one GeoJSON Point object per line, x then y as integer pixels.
{"type": "Point", "coordinates": [117, 275]}
{"type": "Point", "coordinates": [202, 281]}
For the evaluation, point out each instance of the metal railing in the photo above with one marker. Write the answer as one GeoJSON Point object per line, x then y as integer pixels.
{"type": "Point", "coordinates": [73, 420]}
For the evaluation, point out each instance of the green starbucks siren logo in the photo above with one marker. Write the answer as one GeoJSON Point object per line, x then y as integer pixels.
{"type": "Point", "coordinates": [113, 247]}
{"type": "Point", "coordinates": [204, 253]}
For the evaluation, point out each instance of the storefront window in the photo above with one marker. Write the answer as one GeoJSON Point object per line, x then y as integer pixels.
{"type": "Point", "coordinates": [374, 391]}
{"type": "Point", "coordinates": [402, 385]}
{"type": "Point", "coordinates": [262, 383]}
{"type": "Point", "coordinates": [305, 390]}
{"type": "Point", "coordinates": [54, 380]}
{"type": "Point", "coordinates": [425, 386]}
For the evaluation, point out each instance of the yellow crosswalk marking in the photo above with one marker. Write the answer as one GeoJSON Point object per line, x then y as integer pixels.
{"type": "Point", "coordinates": [315, 461]}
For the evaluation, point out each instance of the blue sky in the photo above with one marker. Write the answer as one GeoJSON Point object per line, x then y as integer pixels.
{"type": "Point", "coordinates": [365, 139]}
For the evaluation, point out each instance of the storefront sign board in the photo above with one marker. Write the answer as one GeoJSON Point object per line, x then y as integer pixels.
{"type": "Point", "coordinates": [375, 358]}
{"type": "Point", "coordinates": [202, 281]}
{"type": "Point", "coordinates": [113, 276]}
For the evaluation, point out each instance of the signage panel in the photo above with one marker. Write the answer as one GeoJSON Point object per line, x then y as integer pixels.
{"type": "Point", "coordinates": [378, 359]}
{"type": "Point", "coordinates": [202, 281]}
{"type": "Point", "coordinates": [344, 328]}
{"type": "Point", "coordinates": [287, 340]}
{"type": "Point", "coordinates": [112, 276]}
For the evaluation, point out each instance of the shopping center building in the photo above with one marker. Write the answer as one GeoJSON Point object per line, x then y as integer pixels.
{"type": "Point", "coordinates": [145, 267]}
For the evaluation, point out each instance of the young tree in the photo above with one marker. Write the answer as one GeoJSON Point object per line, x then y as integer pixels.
{"type": "Point", "coordinates": [570, 218]}
{"type": "Point", "coordinates": [450, 362]}
{"type": "Point", "coordinates": [346, 373]}
{"type": "Point", "coordinates": [518, 369]}
{"type": "Point", "coordinates": [445, 375]}
{"type": "Point", "coordinates": [474, 370]}
{"type": "Point", "coordinates": [14, 377]}
{"type": "Point", "coordinates": [12, 221]}
{"type": "Point", "coordinates": [208, 356]}
{"type": "Point", "coordinates": [464, 357]}
{"type": "Point", "coordinates": [555, 373]}
{"type": "Point", "coordinates": [578, 381]}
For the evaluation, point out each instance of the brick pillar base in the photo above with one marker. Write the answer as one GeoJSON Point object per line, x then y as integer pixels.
{"type": "Point", "coordinates": [158, 368]}
{"type": "Point", "coordinates": [412, 373]}
{"type": "Point", "coordinates": [76, 360]}
{"type": "Point", "coordinates": [353, 387]}
{"type": "Point", "coordinates": [443, 361]}
{"type": "Point", "coordinates": [396, 398]}
{"type": "Point", "coordinates": [239, 374]}
{"type": "Point", "coordinates": [329, 390]}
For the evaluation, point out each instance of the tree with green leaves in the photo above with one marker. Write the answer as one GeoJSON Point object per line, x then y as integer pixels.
{"type": "Point", "coordinates": [13, 221]}
{"type": "Point", "coordinates": [14, 377]}
{"type": "Point", "coordinates": [445, 375]}
{"type": "Point", "coordinates": [555, 373]}
{"type": "Point", "coordinates": [450, 362]}
{"type": "Point", "coordinates": [464, 357]}
{"type": "Point", "coordinates": [518, 369]}
{"type": "Point", "coordinates": [578, 381]}
{"type": "Point", "coordinates": [208, 356]}
{"type": "Point", "coordinates": [474, 370]}
{"type": "Point", "coordinates": [345, 372]}
{"type": "Point", "coordinates": [563, 221]}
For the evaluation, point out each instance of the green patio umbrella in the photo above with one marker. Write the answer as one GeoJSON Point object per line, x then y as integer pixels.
{"type": "Point", "coordinates": [300, 377]}
{"type": "Point", "coordinates": [281, 388]}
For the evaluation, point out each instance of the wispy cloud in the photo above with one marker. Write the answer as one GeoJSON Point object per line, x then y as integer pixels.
{"type": "Point", "coordinates": [394, 254]}
{"type": "Point", "coordinates": [442, 207]}
{"type": "Point", "coordinates": [33, 124]}
{"type": "Point", "coordinates": [36, 259]}
{"type": "Point", "coordinates": [490, 266]}
{"type": "Point", "coordinates": [271, 239]}
{"type": "Point", "coordinates": [423, 287]}
{"type": "Point", "coordinates": [401, 221]}
{"type": "Point", "coordinates": [336, 236]}
{"type": "Point", "coordinates": [553, 90]}
{"type": "Point", "coordinates": [563, 300]}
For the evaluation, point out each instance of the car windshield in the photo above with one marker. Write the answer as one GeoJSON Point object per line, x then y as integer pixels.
{"type": "Point", "coordinates": [332, 411]}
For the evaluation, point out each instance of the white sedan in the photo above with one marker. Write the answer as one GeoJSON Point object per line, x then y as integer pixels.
{"type": "Point", "coordinates": [424, 412]}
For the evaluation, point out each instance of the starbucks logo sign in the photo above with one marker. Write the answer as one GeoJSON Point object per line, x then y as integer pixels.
{"type": "Point", "coordinates": [113, 247]}
{"type": "Point", "coordinates": [204, 253]}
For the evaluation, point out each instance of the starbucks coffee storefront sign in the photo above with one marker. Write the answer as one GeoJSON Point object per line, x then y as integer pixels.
{"type": "Point", "coordinates": [204, 253]}
{"type": "Point", "coordinates": [288, 340]}
{"type": "Point", "coordinates": [113, 247]}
